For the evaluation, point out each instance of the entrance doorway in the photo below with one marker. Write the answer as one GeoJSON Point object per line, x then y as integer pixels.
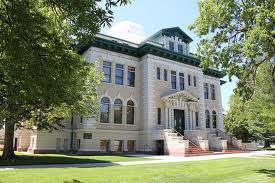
{"type": "Point", "coordinates": [160, 147]}
{"type": "Point", "coordinates": [179, 118]}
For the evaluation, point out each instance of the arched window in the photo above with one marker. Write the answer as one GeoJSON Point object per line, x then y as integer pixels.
{"type": "Point", "coordinates": [130, 112]}
{"type": "Point", "coordinates": [214, 119]}
{"type": "Point", "coordinates": [207, 119]}
{"type": "Point", "coordinates": [104, 110]}
{"type": "Point", "coordinates": [118, 111]}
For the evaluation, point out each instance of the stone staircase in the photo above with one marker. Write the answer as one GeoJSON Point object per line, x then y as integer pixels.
{"type": "Point", "coordinates": [197, 151]}
{"type": "Point", "coordinates": [178, 145]}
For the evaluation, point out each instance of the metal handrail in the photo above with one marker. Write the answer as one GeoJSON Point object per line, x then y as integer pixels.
{"type": "Point", "coordinates": [225, 134]}
{"type": "Point", "coordinates": [184, 137]}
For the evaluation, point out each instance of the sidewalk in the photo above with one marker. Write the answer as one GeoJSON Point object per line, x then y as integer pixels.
{"type": "Point", "coordinates": [159, 159]}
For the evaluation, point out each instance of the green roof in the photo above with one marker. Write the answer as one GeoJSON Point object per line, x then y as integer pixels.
{"type": "Point", "coordinates": [170, 32]}
{"type": "Point", "coordinates": [147, 48]}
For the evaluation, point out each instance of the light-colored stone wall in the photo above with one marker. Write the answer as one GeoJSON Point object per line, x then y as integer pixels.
{"type": "Point", "coordinates": [147, 96]}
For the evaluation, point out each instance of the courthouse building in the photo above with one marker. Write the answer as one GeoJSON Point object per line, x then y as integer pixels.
{"type": "Point", "coordinates": [155, 99]}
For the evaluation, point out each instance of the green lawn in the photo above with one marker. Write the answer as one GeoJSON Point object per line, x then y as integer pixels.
{"type": "Point", "coordinates": [39, 159]}
{"type": "Point", "coordinates": [235, 170]}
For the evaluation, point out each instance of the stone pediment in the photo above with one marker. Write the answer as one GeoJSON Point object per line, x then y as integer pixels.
{"type": "Point", "coordinates": [184, 95]}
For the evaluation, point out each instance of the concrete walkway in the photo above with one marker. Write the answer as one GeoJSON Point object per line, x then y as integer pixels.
{"type": "Point", "coordinates": [159, 159]}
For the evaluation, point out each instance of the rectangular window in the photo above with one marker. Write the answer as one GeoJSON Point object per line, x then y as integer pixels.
{"type": "Point", "coordinates": [158, 73]}
{"type": "Point", "coordinates": [118, 145]}
{"type": "Point", "coordinates": [206, 91]}
{"type": "Point", "coordinates": [104, 145]}
{"type": "Point", "coordinates": [165, 75]}
{"type": "Point", "coordinates": [173, 80]}
{"type": "Point", "coordinates": [119, 74]}
{"type": "Point", "coordinates": [197, 119]}
{"type": "Point", "coordinates": [107, 70]}
{"type": "Point", "coordinates": [131, 76]}
{"type": "Point", "coordinates": [181, 78]}
{"type": "Point", "coordinates": [131, 145]}
{"type": "Point", "coordinates": [213, 93]}
{"type": "Point", "coordinates": [159, 116]}
{"type": "Point", "coordinates": [81, 119]}
{"type": "Point", "coordinates": [171, 46]}
{"type": "Point", "coordinates": [87, 135]}
{"type": "Point", "coordinates": [180, 49]}
{"type": "Point", "coordinates": [189, 80]}
{"type": "Point", "coordinates": [195, 81]}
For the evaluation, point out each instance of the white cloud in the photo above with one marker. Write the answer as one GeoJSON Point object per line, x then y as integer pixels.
{"type": "Point", "coordinates": [127, 30]}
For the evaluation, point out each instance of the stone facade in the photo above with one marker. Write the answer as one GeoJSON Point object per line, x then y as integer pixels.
{"type": "Point", "coordinates": [157, 105]}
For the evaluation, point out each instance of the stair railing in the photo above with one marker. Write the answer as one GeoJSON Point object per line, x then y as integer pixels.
{"type": "Point", "coordinates": [178, 133]}
{"type": "Point", "coordinates": [229, 138]}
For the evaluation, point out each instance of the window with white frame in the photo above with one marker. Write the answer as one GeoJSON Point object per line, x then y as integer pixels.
{"type": "Point", "coordinates": [173, 80]}
{"type": "Point", "coordinates": [119, 74]}
{"type": "Point", "coordinates": [107, 70]}
{"type": "Point", "coordinates": [181, 80]}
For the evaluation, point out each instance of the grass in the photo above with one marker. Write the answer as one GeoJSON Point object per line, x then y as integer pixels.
{"type": "Point", "coordinates": [43, 159]}
{"type": "Point", "coordinates": [234, 170]}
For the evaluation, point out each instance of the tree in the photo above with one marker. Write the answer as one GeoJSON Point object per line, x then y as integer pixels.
{"type": "Point", "coordinates": [42, 78]}
{"type": "Point", "coordinates": [237, 37]}
{"type": "Point", "coordinates": [254, 118]}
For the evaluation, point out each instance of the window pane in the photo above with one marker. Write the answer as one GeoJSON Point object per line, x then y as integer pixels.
{"type": "Point", "coordinates": [130, 112]}
{"type": "Point", "coordinates": [131, 76]}
{"type": "Point", "coordinates": [104, 145]}
{"type": "Point", "coordinates": [158, 73]}
{"type": "Point", "coordinates": [195, 81]}
{"type": "Point", "coordinates": [213, 93]}
{"type": "Point", "coordinates": [131, 145]}
{"type": "Point", "coordinates": [181, 80]}
{"type": "Point", "coordinates": [118, 145]}
{"type": "Point", "coordinates": [189, 80]}
{"type": "Point", "coordinates": [214, 119]}
{"type": "Point", "coordinates": [104, 110]}
{"type": "Point", "coordinates": [107, 70]}
{"type": "Point", "coordinates": [197, 119]}
{"type": "Point", "coordinates": [118, 111]}
{"type": "Point", "coordinates": [159, 116]}
{"type": "Point", "coordinates": [171, 46]}
{"type": "Point", "coordinates": [119, 74]}
{"type": "Point", "coordinates": [205, 91]}
{"type": "Point", "coordinates": [165, 75]}
{"type": "Point", "coordinates": [87, 135]}
{"type": "Point", "coordinates": [207, 119]}
{"type": "Point", "coordinates": [180, 48]}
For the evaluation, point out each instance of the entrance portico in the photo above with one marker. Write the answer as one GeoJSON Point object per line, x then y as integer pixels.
{"type": "Point", "coordinates": [180, 107]}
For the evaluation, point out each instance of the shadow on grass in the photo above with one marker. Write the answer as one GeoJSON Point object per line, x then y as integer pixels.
{"type": "Point", "coordinates": [73, 181]}
{"type": "Point", "coordinates": [270, 173]}
{"type": "Point", "coordinates": [46, 160]}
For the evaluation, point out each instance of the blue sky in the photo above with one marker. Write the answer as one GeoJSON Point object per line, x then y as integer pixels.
{"type": "Point", "coordinates": [149, 16]}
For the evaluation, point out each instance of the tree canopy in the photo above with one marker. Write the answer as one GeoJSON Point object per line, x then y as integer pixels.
{"type": "Point", "coordinates": [237, 37]}
{"type": "Point", "coordinates": [42, 78]}
{"type": "Point", "coordinates": [255, 118]}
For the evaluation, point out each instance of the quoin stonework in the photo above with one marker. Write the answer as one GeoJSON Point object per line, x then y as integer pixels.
{"type": "Point", "coordinates": [155, 99]}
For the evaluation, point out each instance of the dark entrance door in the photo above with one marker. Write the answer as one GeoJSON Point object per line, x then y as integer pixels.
{"type": "Point", "coordinates": [179, 120]}
{"type": "Point", "coordinates": [160, 147]}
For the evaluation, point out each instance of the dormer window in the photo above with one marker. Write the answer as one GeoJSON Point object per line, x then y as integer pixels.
{"type": "Point", "coordinates": [171, 46]}
{"type": "Point", "coordinates": [180, 49]}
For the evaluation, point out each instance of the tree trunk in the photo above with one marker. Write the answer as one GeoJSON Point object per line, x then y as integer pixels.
{"type": "Point", "coordinates": [8, 153]}
{"type": "Point", "coordinates": [267, 143]}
